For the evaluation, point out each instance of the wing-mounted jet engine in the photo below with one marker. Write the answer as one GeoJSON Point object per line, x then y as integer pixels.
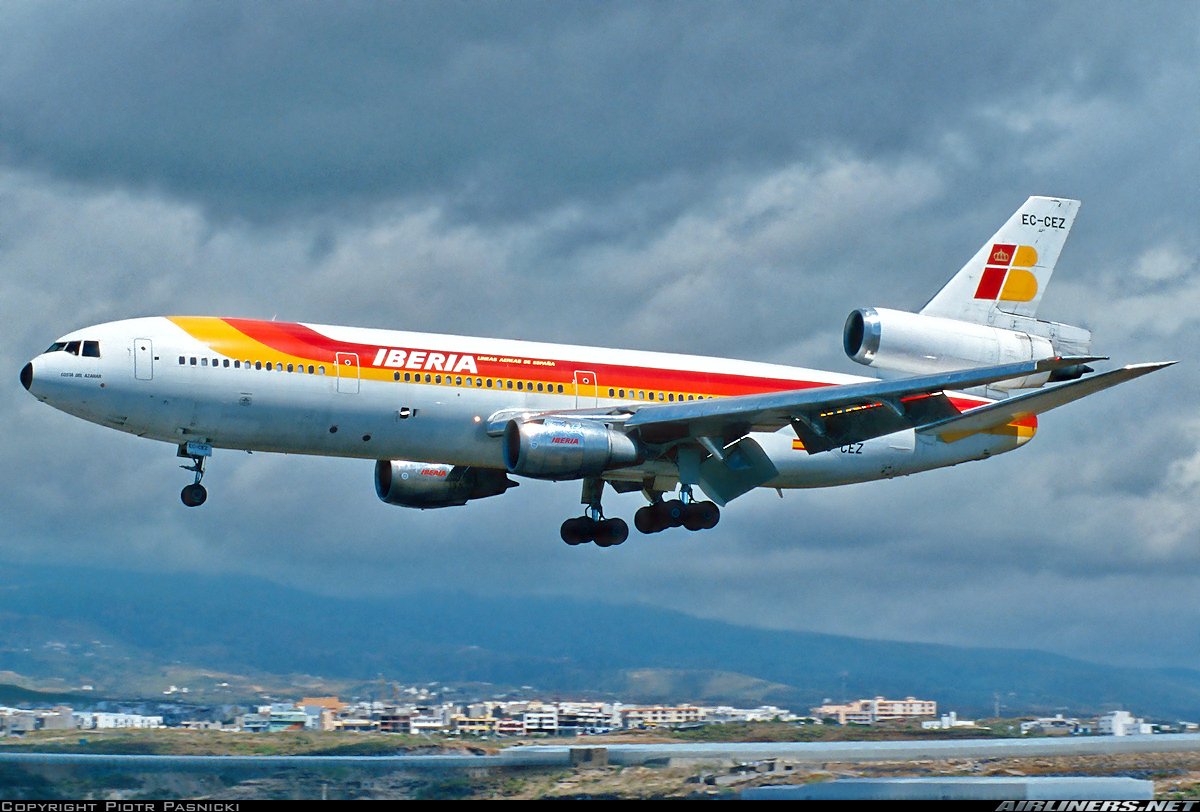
{"type": "Point", "coordinates": [435, 485]}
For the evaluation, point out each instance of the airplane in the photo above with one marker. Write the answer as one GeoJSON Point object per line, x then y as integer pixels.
{"type": "Point", "coordinates": [450, 419]}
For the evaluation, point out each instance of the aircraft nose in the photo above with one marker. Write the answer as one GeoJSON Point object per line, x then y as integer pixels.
{"type": "Point", "coordinates": [27, 375]}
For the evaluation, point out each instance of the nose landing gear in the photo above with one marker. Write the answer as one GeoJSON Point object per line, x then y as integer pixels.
{"type": "Point", "coordinates": [194, 495]}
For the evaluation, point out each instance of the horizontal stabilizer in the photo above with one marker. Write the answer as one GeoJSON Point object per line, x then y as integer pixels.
{"type": "Point", "coordinates": [1004, 412]}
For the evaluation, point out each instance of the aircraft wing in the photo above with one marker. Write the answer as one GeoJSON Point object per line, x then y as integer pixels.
{"type": "Point", "coordinates": [827, 417]}
{"type": "Point", "coordinates": [1004, 412]}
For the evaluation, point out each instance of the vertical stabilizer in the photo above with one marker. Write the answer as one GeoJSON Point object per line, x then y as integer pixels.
{"type": "Point", "coordinates": [1010, 271]}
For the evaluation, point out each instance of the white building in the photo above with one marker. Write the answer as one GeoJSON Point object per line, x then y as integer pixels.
{"type": "Point", "coordinates": [1122, 723]}
{"type": "Point", "coordinates": [108, 721]}
{"type": "Point", "coordinates": [949, 721]}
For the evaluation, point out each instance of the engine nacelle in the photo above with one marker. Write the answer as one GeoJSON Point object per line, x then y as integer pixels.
{"type": "Point", "coordinates": [913, 344]}
{"type": "Point", "coordinates": [434, 485]}
{"type": "Point", "coordinates": [557, 448]}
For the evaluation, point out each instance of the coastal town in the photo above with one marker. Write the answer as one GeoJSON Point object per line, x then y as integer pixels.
{"type": "Point", "coordinates": [422, 714]}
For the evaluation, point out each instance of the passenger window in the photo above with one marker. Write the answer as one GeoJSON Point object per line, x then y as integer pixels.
{"type": "Point", "coordinates": [641, 395]}
{"type": "Point", "coordinates": [539, 387]}
{"type": "Point", "coordinates": [73, 347]}
{"type": "Point", "coordinates": [91, 349]}
{"type": "Point", "coordinates": [437, 378]}
{"type": "Point", "coordinates": [291, 368]}
{"type": "Point", "coordinates": [237, 364]}
{"type": "Point", "coordinates": [310, 369]}
{"type": "Point", "coordinates": [510, 384]}
{"type": "Point", "coordinates": [479, 381]}
{"type": "Point", "coordinates": [489, 383]}
{"type": "Point", "coordinates": [560, 388]}
{"type": "Point", "coordinates": [182, 360]}
{"type": "Point", "coordinates": [470, 382]}
{"type": "Point", "coordinates": [269, 366]}
{"type": "Point", "coordinates": [612, 392]}
{"type": "Point", "coordinates": [203, 362]}
{"type": "Point", "coordinates": [457, 380]}
{"type": "Point", "coordinates": [671, 397]}
{"type": "Point", "coordinates": [660, 395]}
{"type": "Point", "coordinates": [690, 397]}
{"type": "Point", "coordinates": [520, 384]}
{"type": "Point", "coordinates": [395, 376]}
{"type": "Point", "coordinates": [407, 377]}
{"type": "Point", "coordinates": [192, 360]}
{"type": "Point", "coordinates": [321, 370]}
{"type": "Point", "coordinates": [225, 363]}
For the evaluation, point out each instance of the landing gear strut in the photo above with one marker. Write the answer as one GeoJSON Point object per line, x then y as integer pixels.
{"type": "Point", "coordinates": [195, 494]}
{"type": "Point", "coordinates": [592, 526]}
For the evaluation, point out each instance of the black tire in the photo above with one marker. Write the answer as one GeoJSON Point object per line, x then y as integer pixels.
{"type": "Point", "coordinates": [193, 495]}
{"type": "Point", "coordinates": [611, 532]}
{"type": "Point", "coordinates": [711, 513]}
{"type": "Point", "coordinates": [575, 531]}
{"type": "Point", "coordinates": [671, 513]}
{"type": "Point", "coordinates": [646, 520]}
{"type": "Point", "coordinates": [694, 516]}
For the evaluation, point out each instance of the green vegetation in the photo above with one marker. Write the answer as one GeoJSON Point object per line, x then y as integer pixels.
{"type": "Point", "coordinates": [224, 743]}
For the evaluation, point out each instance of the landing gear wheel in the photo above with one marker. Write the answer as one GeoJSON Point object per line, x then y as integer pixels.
{"type": "Point", "coordinates": [611, 532]}
{"type": "Point", "coordinates": [646, 520]}
{"type": "Point", "coordinates": [670, 513]}
{"type": "Point", "coordinates": [193, 495]}
{"type": "Point", "coordinates": [578, 530]}
{"type": "Point", "coordinates": [701, 516]}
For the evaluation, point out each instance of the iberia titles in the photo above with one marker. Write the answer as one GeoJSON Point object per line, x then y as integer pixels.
{"type": "Point", "coordinates": [428, 361]}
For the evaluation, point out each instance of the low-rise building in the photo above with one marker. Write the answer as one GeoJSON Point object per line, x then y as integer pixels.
{"type": "Point", "coordinates": [105, 721]}
{"type": "Point", "coordinates": [661, 715]}
{"type": "Point", "coordinates": [1056, 725]}
{"type": "Point", "coordinates": [879, 709]}
{"type": "Point", "coordinates": [948, 721]}
{"type": "Point", "coordinates": [1122, 723]}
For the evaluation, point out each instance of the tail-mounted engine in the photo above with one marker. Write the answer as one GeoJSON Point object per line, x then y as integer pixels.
{"type": "Point", "coordinates": [558, 448]}
{"type": "Point", "coordinates": [434, 485]}
{"type": "Point", "coordinates": [913, 344]}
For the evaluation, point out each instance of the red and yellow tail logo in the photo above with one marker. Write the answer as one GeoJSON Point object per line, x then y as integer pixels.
{"type": "Point", "coordinates": [1008, 276]}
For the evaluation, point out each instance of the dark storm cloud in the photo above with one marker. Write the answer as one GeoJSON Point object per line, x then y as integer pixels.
{"type": "Point", "coordinates": [265, 109]}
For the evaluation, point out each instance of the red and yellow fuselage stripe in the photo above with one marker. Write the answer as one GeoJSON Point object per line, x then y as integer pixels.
{"type": "Point", "coordinates": [297, 344]}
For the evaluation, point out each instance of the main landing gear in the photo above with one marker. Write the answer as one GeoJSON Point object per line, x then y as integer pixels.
{"type": "Point", "coordinates": [592, 526]}
{"type": "Point", "coordinates": [654, 518]}
{"type": "Point", "coordinates": [682, 512]}
{"type": "Point", "coordinates": [195, 494]}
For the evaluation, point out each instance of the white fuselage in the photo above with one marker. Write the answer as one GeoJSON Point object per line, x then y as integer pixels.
{"type": "Point", "coordinates": [383, 395]}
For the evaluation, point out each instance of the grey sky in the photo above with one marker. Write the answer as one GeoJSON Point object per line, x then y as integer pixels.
{"type": "Point", "coordinates": [702, 177]}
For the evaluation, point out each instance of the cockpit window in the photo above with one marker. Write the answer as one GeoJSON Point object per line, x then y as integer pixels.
{"type": "Point", "coordinates": [91, 349]}
{"type": "Point", "coordinates": [73, 347]}
{"type": "Point", "coordinates": [57, 346]}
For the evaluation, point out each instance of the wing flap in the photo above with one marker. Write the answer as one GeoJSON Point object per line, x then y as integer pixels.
{"type": "Point", "coordinates": [854, 425]}
{"type": "Point", "coordinates": [1017, 408]}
